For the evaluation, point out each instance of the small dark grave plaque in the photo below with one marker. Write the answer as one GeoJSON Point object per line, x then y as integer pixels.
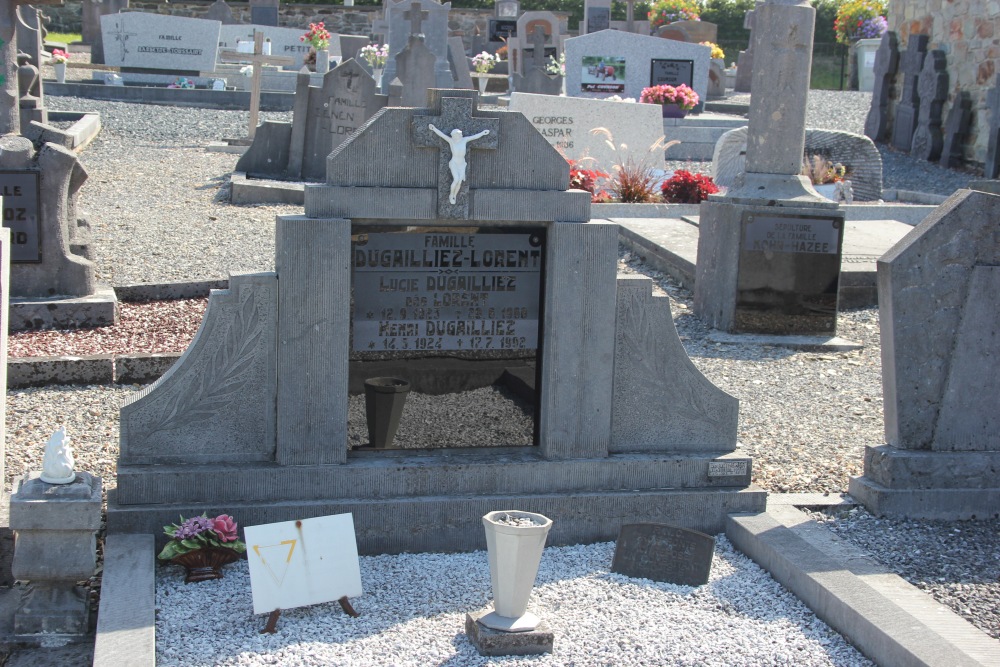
{"type": "Point", "coordinates": [598, 18]}
{"type": "Point", "coordinates": [502, 29]}
{"type": "Point", "coordinates": [671, 72]}
{"type": "Point", "coordinates": [446, 291]}
{"type": "Point", "coordinates": [21, 208]}
{"type": "Point", "coordinates": [662, 552]}
{"type": "Point", "coordinates": [264, 16]}
{"type": "Point", "coordinates": [789, 273]}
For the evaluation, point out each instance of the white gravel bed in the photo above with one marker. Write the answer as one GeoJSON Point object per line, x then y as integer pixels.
{"type": "Point", "coordinates": [414, 605]}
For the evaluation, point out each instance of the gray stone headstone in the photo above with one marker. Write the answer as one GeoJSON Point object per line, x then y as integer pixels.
{"type": "Point", "coordinates": [911, 64]}
{"type": "Point", "coordinates": [92, 11]}
{"type": "Point", "coordinates": [639, 51]}
{"type": "Point", "coordinates": [855, 151]}
{"type": "Point", "coordinates": [535, 78]}
{"type": "Point", "coordinates": [932, 87]}
{"type": "Point", "coordinates": [939, 325]}
{"type": "Point", "coordinates": [155, 41]}
{"type": "Point", "coordinates": [596, 16]}
{"type": "Point", "coordinates": [430, 19]}
{"type": "Point", "coordinates": [664, 553]}
{"type": "Point", "coordinates": [221, 12]}
{"type": "Point", "coordinates": [459, 62]}
{"type": "Point", "coordinates": [415, 70]}
{"type": "Point", "coordinates": [956, 129]}
{"type": "Point", "coordinates": [526, 24]}
{"type": "Point", "coordinates": [264, 12]}
{"type": "Point", "coordinates": [991, 169]}
{"type": "Point", "coordinates": [284, 41]}
{"type": "Point", "coordinates": [716, 80]}
{"type": "Point", "coordinates": [350, 47]}
{"type": "Point", "coordinates": [886, 63]}
{"type": "Point", "coordinates": [744, 63]}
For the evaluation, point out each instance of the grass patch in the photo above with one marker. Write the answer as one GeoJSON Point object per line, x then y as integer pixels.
{"type": "Point", "coordinates": [63, 37]}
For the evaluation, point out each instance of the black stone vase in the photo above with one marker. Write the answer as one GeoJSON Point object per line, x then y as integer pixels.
{"type": "Point", "coordinates": [384, 401]}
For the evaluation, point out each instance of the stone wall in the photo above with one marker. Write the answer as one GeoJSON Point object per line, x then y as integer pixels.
{"type": "Point", "coordinates": [338, 18]}
{"type": "Point", "coordinates": [968, 31]}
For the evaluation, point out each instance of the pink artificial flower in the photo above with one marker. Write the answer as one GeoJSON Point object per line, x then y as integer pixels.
{"type": "Point", "coordinates": [225, 526]}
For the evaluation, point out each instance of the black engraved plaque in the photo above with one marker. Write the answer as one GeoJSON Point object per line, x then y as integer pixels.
{"type": "Point", "coordinates": [662, 552]}
{"type": "Point", "coordinates": [21, 207]}
{"type": "Point", "coordinates": [671, 72]}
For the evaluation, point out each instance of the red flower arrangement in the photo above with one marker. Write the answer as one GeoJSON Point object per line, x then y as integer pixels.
{"type": "Point", "coordinates": [687, 188]}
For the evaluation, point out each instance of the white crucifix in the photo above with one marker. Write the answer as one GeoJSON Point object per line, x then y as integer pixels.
{"type": "Point", "coordinates": [257, 60]}
{"type": "Point", "coordinates": [458, 128]}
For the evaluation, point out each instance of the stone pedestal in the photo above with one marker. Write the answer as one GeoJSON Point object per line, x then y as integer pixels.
{"type": "Point", "coordinates": [56, 526]}
{"type": "Point", "coordinates": [496, 642]}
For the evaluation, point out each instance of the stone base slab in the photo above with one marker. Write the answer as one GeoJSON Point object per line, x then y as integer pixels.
{"type": "Point", "coordinates": [262, 191]}
{"type": "Point", "coordinates": [495, 642]}
{"type": "Point", "coordinates": [454, 523]}
{"type": "Point", "coordinates": [97, 310]}
{"type": "Point", "coordinates": [947, 504]}
{"type": "Point", "coordinates": [807, 343]}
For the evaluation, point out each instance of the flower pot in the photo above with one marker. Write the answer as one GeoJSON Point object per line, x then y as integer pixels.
{"type": "Point", "coordinates": [205, 563]}
{"type": "Point", "coordinates": [514, 554]}
{"type": "Point", "coordinates": [377, 74]}
{"type": "Point", "coordinates": [673, 111]}
{"type": "Point", "coordinates": [322, 61]}
{"type": "Point", "coordinates": [482, 85]}
{"type": "Point", "coordinates": [384, 401]}
{"type": "Point", "coordinates": [828, 190]}
{"type": "Point", "coordinates": [60, 72]}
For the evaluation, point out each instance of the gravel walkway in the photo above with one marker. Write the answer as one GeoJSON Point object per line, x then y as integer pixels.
{"type": "Point", "coordinates": [158, 207]}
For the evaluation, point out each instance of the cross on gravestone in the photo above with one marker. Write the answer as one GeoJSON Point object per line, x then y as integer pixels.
{"type": "Point", "coordinates": [257, 59]}
{"type": "Point", "coordinates": [992, 165]}
{"type": "Point", "coordinates": [956, 128]}
{"type": "Point", "coordinates": [10, 112]}
{"type": "Point", "coordinates": [538, 47]}
{"type": "Point", "coordinates": [886, 64]}
{"type": "Point", "coordinates": [415, 16]}
{"type": "Point", "coordinates": [906, 112]}
{"type": "Point", "coordinates": [630, 15]}
{"type": "Point", "coordinates": [932, 87]}
{"type": "Point", "coordinates": [456, 115]}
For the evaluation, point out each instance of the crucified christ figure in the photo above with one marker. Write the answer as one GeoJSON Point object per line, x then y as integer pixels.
{"type": "Point", "coordinates": [457, 163]}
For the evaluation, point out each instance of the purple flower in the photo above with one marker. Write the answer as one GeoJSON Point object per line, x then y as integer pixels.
{"type": "Point", "coordinates": [193, 527]}
{"type": "Point", "coordinates": [873, 28]}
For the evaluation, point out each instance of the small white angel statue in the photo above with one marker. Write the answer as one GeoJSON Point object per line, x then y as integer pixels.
{"type": "Point", "coordinates": [57, 465]}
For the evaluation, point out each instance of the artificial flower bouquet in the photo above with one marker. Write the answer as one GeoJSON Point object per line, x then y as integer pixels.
{"type": "Point", "coordinates": [484, 62]}
{"type": "Point", "coordinates": [201, 532]}
{"type": "Point", "coordinates": [375, 55]}
{"type": "Point", "coordinates": [663, 12]}
{"type": "Point", "coordinates": [682, 95]}
{"type": "Point", "coordinates": [317, 37]}
{"type": "Point", "coordinates": [717, 52]}
{"type": "Point", "coordinates": [860, 19]}
{"type": "Point", "coordinates": [59, 56]}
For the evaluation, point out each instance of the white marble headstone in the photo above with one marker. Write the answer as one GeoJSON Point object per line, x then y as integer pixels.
{"type": "Point", "coordinates": [566, 122]}
{"type": "Point", "coordinates": [638, 53]}
{"type": "Point", "coordinates": [284, 41]}
{"type": "Point", "coordinates": [155, 41]}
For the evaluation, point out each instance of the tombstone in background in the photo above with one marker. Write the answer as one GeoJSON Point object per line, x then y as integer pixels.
{"type": "Point", "coordinates": [744, 63]}
{"type": "Point", "coordinates": [92, 32]}
{"type": "Point", "coordinates": [596, 16]}
{"type": "Point", "coordinates": [716, 79]}
{"type": "Point", "coordinates": [956, 128]}
{"type": "Point", "coordinates": [857, 152]}
{"type": "Point", "coordinates": [221, 12]}
{"type": "Point", "coordinates": [647, 61]}
{"type": "Point", "coordinates": [566, 122]}
{"type": "Point", "coordinates": [932, 86]}
{"type": "Point", "coordinates": [940, 328]}
{"type": "Point", "coordinates": [284, 41]}
{"type": "Point", "coordinates": [52, 273]}
{"type": "Point", "coordinates": [414, 74]}
{"type": "Point", "coordinates": [459, 63]}
{"type": "Point", "coordinates": [535, 78]}
{"type": "Point", "coordinates": [520, 52]}
{"type": "Point", "coordinates": [769, 249]}
{"type": "Point", "coordinates": [886, 64]}
{"type": "Point", "coordinates": [695, 32]}
{"type": "Point", "coordinates": [911, 63]}
{"type": "Point", "coordinates": [264, 12]}
{"type": "Point", "coordinates": [418, 17]}
{"type": "Point", "coordinates": [323, 117]}
{"type": "Point", "coordinates": [264, 387]}
{"type": "Point", "coordinates": [991, 169]}
{"type": "Point", "coordinates": [350, 47]}
{"type": "Point", "coordinates": [133, 40]}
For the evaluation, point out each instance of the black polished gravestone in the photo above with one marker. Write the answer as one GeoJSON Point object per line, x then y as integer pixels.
{"type": "Point", "coordinates": [886, 64]}
{"type": "Point", "coordinates": [789, 273]}
{"type": "Point", "coordinates": [909, 103]}
{"type": "Point", "coordinates": [956, 129]}
{"type": "Point", "coordinates": [992, 166]}
{"type": "Point", "coordinates": [502, 29]}
{"type": "Point", "coordinates": [662, 552]}
{"type": "Point", "coordinates": [264, 12]}
{"type": "Point", "coordinates": [933, 89]}
{"type": "Point", "coordinates": [671, 72]}
{"type": "Point", "coordinates": [598, 18]}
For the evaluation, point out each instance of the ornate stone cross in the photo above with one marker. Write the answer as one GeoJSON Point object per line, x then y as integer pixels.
{"type": "Point", "coordinates": [258, 60]}
{"type": "Point", "coordinates": [415, 16]}
{"type": "Point", "coordinates": [886, 64]}
{"type": "Point", "coordinates": [906, 111]}
{"type": "Point", "coordinates": [457, 132]}
{"type": "Point", "coordinates": [956, 128]}
{"type": "Point", "coordinates": [933, 89]}
{"type": "Point", "coordinates": [538, 40]}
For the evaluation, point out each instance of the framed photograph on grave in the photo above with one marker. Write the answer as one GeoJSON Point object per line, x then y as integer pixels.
{"type": "Point", "coordinates": [21, 206]}
{"type": "Point", "coordinates": [671, 72]}
{"type": "Point", "coordinates": [502, 29]}
{"type": "Point", "coordinates": [602, 74]}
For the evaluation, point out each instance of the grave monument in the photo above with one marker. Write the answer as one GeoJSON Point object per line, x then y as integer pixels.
{"type": "Point", "coordinates": [940, 326]}
{"type": "Point", "coordinates": [92, 33]}
{"type": "Point", "coordinates": [744, 63]}
{"type": "Point", "coordinates": [911, 63]}
{"type": "Point", "coordinates": [459, 221]}
{"type": "Point", "coordinates": [522, 47]}
{"type": "Point", "coordinates": [886, 63]}
{"type": "Point", "coordinates": [418, 17]}
{"type": "Point", "coordinates": [932, 86]}
{"type": "Point", "coordinates": [956, 128]}
{"type": "Point", "coordinates": [769, 249]}
{"type": "Point", "coordinates": [535, 78]}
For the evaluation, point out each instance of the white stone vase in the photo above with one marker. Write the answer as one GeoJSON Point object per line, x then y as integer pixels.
{"type": "Point", "coordinates": [514, 554]}
{"type": "Point", "coordinates": [60, 69]}
{"type": "Point", "coordinates": [322, 61]}
{"type": "Point", "coordinates": [482, 85]}
{"type": "Point", "coordinates": [377, 74]}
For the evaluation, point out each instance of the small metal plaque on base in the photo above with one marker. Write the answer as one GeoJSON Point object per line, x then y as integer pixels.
{"type": "Point", "coordinates": [662, 552]}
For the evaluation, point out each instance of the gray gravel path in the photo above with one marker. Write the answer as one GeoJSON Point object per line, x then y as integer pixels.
{"type": "Point", "coordinates": [157, 205]}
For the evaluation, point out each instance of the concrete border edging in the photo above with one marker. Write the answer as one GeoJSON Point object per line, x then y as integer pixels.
{"type": "Point", "coordinates": [889, 620]}
{"type": "Point", "coordinates": [94, 369]}
{"type": "Point", "coordinates": [126, 619]}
